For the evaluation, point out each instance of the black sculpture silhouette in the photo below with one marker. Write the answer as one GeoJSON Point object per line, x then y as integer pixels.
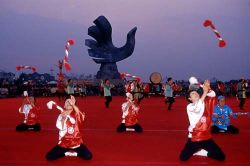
{"type": "Point", "coordinates": [102, 50]}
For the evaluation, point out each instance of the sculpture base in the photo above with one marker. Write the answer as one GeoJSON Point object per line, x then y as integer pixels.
{"type": "Point", "coordinates": [108, 71]}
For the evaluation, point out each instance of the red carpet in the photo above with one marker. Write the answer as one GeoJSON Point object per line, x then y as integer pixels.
{"type": "Point", "coordinates": [165, 133]}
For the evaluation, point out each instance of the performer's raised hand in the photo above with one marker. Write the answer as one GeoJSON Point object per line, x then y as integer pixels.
{"type": "Point", "coordinates": [72, 100]}
{"type": "Point", "coordinates": [206, 86]}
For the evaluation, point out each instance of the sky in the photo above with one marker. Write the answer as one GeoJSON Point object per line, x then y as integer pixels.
{"type": "Point", "coordinates": [170, 38]}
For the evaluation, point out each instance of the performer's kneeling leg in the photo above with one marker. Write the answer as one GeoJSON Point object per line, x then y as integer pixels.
{"type": "Point", "coordinates": [215, 129]}
{"type": "Point", "coordinates": [214, 150]}
{"type": "Point", "coordinates": [83, 152]}
{"type": "Point", "coordinates": [138, 128]}
{"type": "Point", "coordinates": [121, 128]}
{"type": "Point", "coordinates": [232, 129]}
{"type": "Point", "coordinates": [22, 127]}
{"type": "Point", "coordinates": [56, 152]}
{"type": "Point", "coordinates": [189, 149]}
{"type": "Point", "coordinates": [35, 127]}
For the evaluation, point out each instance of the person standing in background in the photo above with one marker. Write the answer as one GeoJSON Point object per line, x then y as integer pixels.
{"type": "Point", "coordinates": [70, 87]}
{"type": "Point", "coordinates": [241, 92]}
{"type": "Point", "coordinates": [107, 86]}
{"type": "Point", "coordinates": [169, 93]}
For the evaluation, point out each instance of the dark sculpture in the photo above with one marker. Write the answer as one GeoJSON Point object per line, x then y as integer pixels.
{"type": "Point", "coordinates": [102, 50]}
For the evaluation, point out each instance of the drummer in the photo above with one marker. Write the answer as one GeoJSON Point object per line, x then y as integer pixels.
{"type": "Point", "coordinates": [155, 79]}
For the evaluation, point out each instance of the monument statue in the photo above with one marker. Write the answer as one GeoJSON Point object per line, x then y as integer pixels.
{"type": "Point", "coordinates": [102, 50]}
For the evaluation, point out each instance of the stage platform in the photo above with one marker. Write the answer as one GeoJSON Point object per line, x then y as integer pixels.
{"type": "Point", "coordinates": [164, 136]}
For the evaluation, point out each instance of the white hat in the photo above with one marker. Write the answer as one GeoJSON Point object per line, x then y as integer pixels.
{"type": "Point", "coordinates": [193, 80]}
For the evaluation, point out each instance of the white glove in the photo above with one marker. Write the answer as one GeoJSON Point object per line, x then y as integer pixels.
{"type": "Point", "coordinates": [51, 103]}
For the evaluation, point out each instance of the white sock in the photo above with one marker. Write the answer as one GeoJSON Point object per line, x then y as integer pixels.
{"type": "Point", "coordinates": [130, 129]}
{"type": "Point", "coordinates": [201, 152]}
{"type": "Point", "coordinates": [70, 154]}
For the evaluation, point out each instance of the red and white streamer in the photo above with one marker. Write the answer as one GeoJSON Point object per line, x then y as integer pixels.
{"type": "Point", "coordinates": [209, 23]}
{"type": "Point", "coordinates": [52, 104]}
{"type": "Point", "coordinates": [18, 68]}
{"type": "Point", "coordinates": [66, 63]}
{"type": "Point", "coordinates": [123, 75]}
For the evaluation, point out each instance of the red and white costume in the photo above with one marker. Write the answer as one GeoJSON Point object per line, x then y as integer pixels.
{"type": "Point", "coordinates": [31, 114]}
{"type": "Point", "coordinates": [69, 134]}
{"type": "Point", "coordinates": [200, 118]}
{"type": "Point", "coordinates": [129, 87]}
{"type": "Point", "coordinates": [130, 113]}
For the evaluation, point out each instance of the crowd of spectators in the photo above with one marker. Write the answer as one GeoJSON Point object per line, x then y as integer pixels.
{"type": "Point", "coordinates": [93, 88]}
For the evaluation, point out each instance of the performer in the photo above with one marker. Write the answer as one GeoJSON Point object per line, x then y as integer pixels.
{"type": "Point", "coordinates": [28, 88]}
{"type": "Point", "coordinates": [221, 88]}
{"type": "Point", "coordinates": [130, 111]}
{"type": "Point", "coordinates": [128, 86]}
{"type": "Point", "coordinates": [83, 90]}
{"type": "Point", "coordinates": [70, 87]}
{"type": "Point", "coordinates": [69, 123]}
{"type": "Point", "coordinates": [234, 88]}
{"type": "Point", "coordinates": [169, 96]}
{"type": "Point", "coordinates": [199, 112]}
{"type": "Point", "coordinates": [137, 90]}
{"type": "Point", "coordinates": [107, 86]}
{"type": "Point", "coordinates": [60, 90]}
{"type": "Point", "coordinates": [31, 115]}
{"type": "Point", "coordinates": [221, 118]}
{"type": "Point", "coordinates": [241, 93]}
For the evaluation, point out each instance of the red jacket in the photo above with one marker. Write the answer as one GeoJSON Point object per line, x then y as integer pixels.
{"type": "Point", "coordinates": [201, 130]}
{"type": "Point", "coordinates": [33, 116]}
{"type": "Point", "coordinates": [72, 136]}
{"type": "Point", "coordinates": [132, 117]}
